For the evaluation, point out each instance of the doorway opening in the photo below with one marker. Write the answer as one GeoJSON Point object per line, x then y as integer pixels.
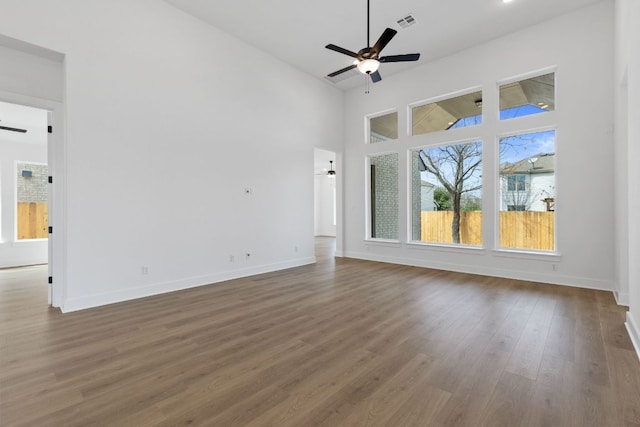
{"type": "Point", "coordinates": [325, 198]}
{"type": "Point", "coordinates": [25, 191]}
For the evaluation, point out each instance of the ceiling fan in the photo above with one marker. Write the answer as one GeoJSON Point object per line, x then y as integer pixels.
{"type": "Point", "coordinates": [330, 173]}
{"type": "Point", "coordinates": [368, 59]}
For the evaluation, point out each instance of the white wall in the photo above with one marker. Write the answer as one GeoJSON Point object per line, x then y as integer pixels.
{"type": "Point", "coordinates": [579, 46]}
{"type": "Point", "coordinates": [168, 121]}
{"type": "Point", "coordinates": [324, 201]}
{"type": "Point", "coordinates": [627, 90]}
{"type": "Point", "coordinates": [38, 74]}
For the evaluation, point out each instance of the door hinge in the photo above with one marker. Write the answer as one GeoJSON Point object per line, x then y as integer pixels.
{"type": "Point", "coordinates": [50, 180]}
{"type": "Point", "coordinates": [50, 129]}
{"type": "Point", "coordinates": [50, 230]}
{"type": "Point", "coordinates": [50, 279]}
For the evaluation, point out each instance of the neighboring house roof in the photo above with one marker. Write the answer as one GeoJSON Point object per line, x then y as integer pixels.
{"type": "Point", "coordinates": [426, 184]}
{"type": "Point", "coordinates": [544, 163]}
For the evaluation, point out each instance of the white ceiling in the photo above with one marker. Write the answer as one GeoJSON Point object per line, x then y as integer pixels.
{"type": "Point", "coordinates": [297, 31]}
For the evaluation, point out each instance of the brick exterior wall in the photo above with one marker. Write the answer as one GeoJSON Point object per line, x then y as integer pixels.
{"type": "Point", "coordinates": [386, 196]}
{"type": "Point", "coordinates": [32, 189]}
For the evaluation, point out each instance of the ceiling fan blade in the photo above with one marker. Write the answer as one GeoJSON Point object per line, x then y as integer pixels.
{"type": "Point", "coordinates": [384, 39]}
{"type": "Point", "coordinates": [13, 129]}
{"type": "Point", "coordinates": [375, 76]}
{"type": "Point", "coordinates": [344, 70]}
{"type": "Point", "coordinates": [401, 58]}
{"type": "Point", "coordinates": [344, 51]}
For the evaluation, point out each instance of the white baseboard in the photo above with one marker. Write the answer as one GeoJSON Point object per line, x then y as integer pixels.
{"type": "Point", "coordinates": [622, 298]}
{"type": "Point", "coordinates": [634, 332]}
{"type": "Point", "coordinates": [176, 285]}
{"type": "Point", "coordinates": [555, 279]}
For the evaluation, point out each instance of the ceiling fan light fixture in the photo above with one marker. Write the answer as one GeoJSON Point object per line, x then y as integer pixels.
{"type": "Point", "coordinates": [368, 66]}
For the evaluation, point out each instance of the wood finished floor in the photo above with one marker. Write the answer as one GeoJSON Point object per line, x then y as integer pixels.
{"type": "Point", "coordinates": [340, 343]}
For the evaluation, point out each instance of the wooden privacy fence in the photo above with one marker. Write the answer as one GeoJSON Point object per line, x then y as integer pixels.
{"type": "Point", "coordinates": [522, 230]}
{"type": "Point", "coordinates": [33, 220]}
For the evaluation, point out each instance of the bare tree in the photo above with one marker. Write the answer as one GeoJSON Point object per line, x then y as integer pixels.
{"type": "Point", "coordinates": [457, 168]}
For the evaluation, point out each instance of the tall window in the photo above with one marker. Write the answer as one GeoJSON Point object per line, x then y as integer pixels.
{"type": "Point", "coordinates": [527, 191]}
{"type": "Point", "coordinates": [384, 196]}
{"type": "Point", "coordinates": [447, 194]}
{"type": "Point", "coordinates": [450, 113]}
{"type": "Point", "coordinates": [383, 128]}
{"type": "Point", "coordinates": [32, 209]}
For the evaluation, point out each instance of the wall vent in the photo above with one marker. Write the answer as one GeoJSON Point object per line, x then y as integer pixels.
{"type": "Point", "coordinates": [406, 21]}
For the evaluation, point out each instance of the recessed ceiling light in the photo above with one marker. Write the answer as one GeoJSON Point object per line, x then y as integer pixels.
{"type": "Point", "coordinates": [507, 1]}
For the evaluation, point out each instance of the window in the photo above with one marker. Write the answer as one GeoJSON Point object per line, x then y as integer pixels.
{"type": "Point", "coordinates": [526, 97]}
{"type": "Point", "coordinates": [451, 113]}
{"type": "Point", "coordinates": [383, 128]}
{"type": "Point", "coordinates": [516, 182]}
{"type": "Point", "coordinates": [518, 208]}
{"type": "Point", "coordinates": [384, 196]}
{"type": "Point", "coordinates": [447, 194]}
{"type": "Point", "coordinates": [527, 191]}
{"type": "Point", "coordinates": [32, 209]}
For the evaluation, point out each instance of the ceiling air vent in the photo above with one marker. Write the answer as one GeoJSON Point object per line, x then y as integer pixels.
{"type": "Point", "coordinates": [406, 21]}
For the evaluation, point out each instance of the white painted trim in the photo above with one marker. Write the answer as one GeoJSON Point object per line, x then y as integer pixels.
{"type": "Point", "coordinates": [176, 285]}
{"type": "Point", "coordinates": [634, 332]}
{"type": "Point", "coordinates": [622, 298]}
{"type": "Point", "coordinates": [554, 279]}
{"type": "Point", "coordinates": [383, 242]}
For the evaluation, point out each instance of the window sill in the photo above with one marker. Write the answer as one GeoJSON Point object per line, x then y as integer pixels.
{"type": "Point", "coordinates": [524, 254]}
{"type": "Point", "coordinates": [478, 250]}
{"type": "Point", "coordinates": [27, 242]}
{"type": "Point", "coordinates": [383, 242]}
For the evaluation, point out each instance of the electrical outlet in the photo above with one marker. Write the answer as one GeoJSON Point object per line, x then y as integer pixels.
{"type": "Point", "coordinates": [295, 249]}
{"type": "Point", "coordinates": [144, 270]}
{"type": "Point", "coordinates": [232, 258]}
{"type": "Point", "coordinates": [554, 267]}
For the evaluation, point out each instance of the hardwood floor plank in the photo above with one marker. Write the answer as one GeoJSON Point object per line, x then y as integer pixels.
{"type": "Point", "coordinates": [509, 403]}
{"type": "Point", "coordinates": [342, 342]}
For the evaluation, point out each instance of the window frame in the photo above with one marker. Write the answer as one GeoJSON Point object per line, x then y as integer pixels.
{"type": "Point", "coordinates": [525, 76]}
{"type": "Point", "coordinates": [367, 126]}
{"type": "Point", "coordinates": [505, 251]}
{"type": "Point", "coordinates": [444, 97]}
{"type": "Point", "coordinates": [410, 223]}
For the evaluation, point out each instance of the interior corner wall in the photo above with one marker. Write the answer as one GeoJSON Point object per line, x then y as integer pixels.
{"type": "Point", "coordinates": [628, 61]}
{"type": "Point", "coordinates": [579, 46]}
{"type": "Point", "coordinates": [621, 188]}
{"type": "Point", "coordinates": [181, 159]}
